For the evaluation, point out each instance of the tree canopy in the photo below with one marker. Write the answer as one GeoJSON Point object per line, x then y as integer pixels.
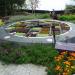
{"type": "Point", "coordinates": [33, 5]}
{"type": "Point", "coordinates": [7, 6]}
{"type": "Point", "coordinates": [70, 8]}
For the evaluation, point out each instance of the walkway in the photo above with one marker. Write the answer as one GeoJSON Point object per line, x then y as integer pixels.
{"type": "Point", "coordinates": [65, 46]}
{"type": "Point", "coordinates": [25, 69]}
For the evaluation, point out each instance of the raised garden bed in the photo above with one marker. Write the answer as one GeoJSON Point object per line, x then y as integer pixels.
{"type": "Point", "coordinates": [38, 28]}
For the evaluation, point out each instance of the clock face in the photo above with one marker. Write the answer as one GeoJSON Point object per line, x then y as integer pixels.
{"type": "Point", "coordinates": [37, 28]}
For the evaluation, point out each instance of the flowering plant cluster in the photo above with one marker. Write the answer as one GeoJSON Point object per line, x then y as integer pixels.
{"type": "Point", "coordinates": [63, 64]}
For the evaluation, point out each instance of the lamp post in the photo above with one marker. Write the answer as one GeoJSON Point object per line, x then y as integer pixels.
{"type": "Point", "coordinates": [53, 31]}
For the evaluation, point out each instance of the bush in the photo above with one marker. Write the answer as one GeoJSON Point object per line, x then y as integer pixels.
{"type": "Point", "coordinates": [67, 17]}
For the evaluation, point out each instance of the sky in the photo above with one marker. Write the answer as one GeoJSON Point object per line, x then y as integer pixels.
{"type": "Point", "coordinates": [53, 4]}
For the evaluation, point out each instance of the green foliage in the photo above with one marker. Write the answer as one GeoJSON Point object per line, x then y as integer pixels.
{"type": "Point", "coordinates": [43, 16]}
{"type": "Point", "coordinates": [67, 17]}
{"type": "Point", "coordinates": [28, 17]}
{"type": "Point", "coordinates": [70, 7]}
{"type": "Point", "coordinates": [8, 6]}
{"type": "Point", "coordinates": [51, 68]}
{"type": "Point", "coordinates": [41, 54]}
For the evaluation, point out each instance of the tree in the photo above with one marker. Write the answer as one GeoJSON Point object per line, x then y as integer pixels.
{"type": "Point", "coordinates": [7, 6]}
{"type": "Point", "coordinates": [33, 5]}
{"type": "Point", "coordinates": [70, 7]}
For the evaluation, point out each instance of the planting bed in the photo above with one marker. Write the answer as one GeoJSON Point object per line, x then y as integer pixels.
{"type": "Point", "coordinates": [40, 28]}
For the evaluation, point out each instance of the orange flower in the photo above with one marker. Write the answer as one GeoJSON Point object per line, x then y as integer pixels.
{"type": "Point", "coordinates": [58, 67]}
{"type": "Point", "coordinates": [72, 54]}
{"type": "Point", "coordinates": [57, 58]}
{"type": "Point", "coordinates": [71, 58]}
{"type": "Point", "coordinates": [62, 53]}
{"type": "Point", "coordinates": [60, 57]}
{"type": "Point", "coordinates": [67, 63]}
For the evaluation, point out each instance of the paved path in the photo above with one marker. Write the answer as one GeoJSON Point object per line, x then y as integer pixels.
{"type": "Point", "coordinates": [65, 46]}
{"type": "Point", "coordinates": [25, 69]}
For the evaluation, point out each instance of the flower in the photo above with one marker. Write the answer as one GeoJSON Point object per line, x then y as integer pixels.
{"type": "Point", "coordinates": [71, 58]}
{"type": "Point", "coordinates": [67, 63]}
{"type": "Point", "coordinates": [58, 68]}
{"type": "Point", "coordinates": [67, 69]}
{"type": "Point", "coordinates": [72, 54]}
{"type": "Point", "coordinates": [58, 58]}
{"type": "Point", "coordinates": [65, 52]}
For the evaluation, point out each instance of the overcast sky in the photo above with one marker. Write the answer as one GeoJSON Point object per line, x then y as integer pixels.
{"type": "Point", "coordinates": [52, 4]}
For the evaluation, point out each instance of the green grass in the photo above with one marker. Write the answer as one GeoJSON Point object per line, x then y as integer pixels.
{"type": "Point", "coordinates": [40, 54]}
{"type": "Point", "coordinates": [28, 17]}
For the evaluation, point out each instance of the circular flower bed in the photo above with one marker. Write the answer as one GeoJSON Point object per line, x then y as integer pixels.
{"type": "Point", "coordinates": [40, 28]}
